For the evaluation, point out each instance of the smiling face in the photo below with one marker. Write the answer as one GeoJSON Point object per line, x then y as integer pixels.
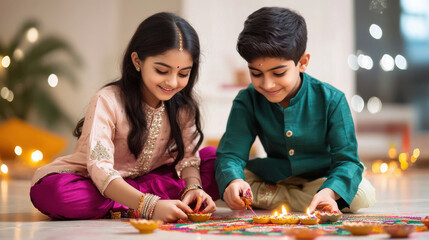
{"type": "Point", "coordinates": [276, 78]}
{"type": "Point", "coordinates": [163, 75]}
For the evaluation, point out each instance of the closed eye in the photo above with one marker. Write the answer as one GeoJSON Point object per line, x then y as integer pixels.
{"type": "Point", "coordinates": [279, 74]}
{"type": "Point", "coordinates": [159, 71]}
{"type": "Point", "coordinates": [256, 74]}
{"type": "Point", "coordinates": [183, 75]}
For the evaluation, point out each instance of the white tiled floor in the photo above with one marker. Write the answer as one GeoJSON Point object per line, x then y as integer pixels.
{"type": "Point", "coordinates": [404, 195]}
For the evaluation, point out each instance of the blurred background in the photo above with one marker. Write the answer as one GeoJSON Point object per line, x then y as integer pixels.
{"type": "Point", "coordinates": [54, 55]}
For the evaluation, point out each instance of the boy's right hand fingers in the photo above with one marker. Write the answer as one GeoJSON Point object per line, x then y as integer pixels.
{"type": "Point", "coordinates": [232, 198]}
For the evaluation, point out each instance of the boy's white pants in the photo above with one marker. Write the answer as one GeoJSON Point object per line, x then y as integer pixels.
{"type": "Point", "coordinates": [297, 193]}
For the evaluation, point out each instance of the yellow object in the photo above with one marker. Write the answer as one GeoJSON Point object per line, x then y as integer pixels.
{"type": "Point", "coordinates": [261, 219]}
{"type": "Point", "coordinates": [15, 132]}
{"type": "Point", "coordinates": [199, 217]}
{"type": "Point", "coordinates": [359, 228]}
{"type": "Point", "coordinates": [145, 226]}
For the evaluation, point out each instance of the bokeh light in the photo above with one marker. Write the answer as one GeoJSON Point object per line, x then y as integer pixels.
{"type": "Point", "coordinates": [5, 61]}
{"type": "Point", "coordinates": [18, 54]}
{"type": "Point", "coordinates": [401, 62]}
{"type": "Point", "coordinates": [18, 150]}
{"type": "Point", "coordinates": [384, 167]}
{"type": "Point", "coordinates": [387, 63]}
{"type": "Point", "coordinates": [357, 103]}
{"type": "Point", "coordinates": [374, 105]}
{"type": "Point", "coordinates": [365, 61]}
{"type": "Point", "coordinates": [375, 31]}
{"type": "Point", "coordinates": [353, 62]}
{"type": "Point", "coordinates": [53, 80]}
{"type": "Point", "coordinates": [4, 169]}
{"type": "Point", "coordinates": [32, 35]}
{"type": "Point", "coordinates": [36, 156]}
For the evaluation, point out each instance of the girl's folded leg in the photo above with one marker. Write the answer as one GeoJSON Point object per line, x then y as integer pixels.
{"type": "Point", "coordinates": [207, 172]}
{"type": "Point", "coordinates": [69, 196]}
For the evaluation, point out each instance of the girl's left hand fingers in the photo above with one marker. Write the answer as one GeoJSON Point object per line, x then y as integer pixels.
{"type": "Point", "coordinates": [187, 199]}
{"type": "Point", "coordinates": [210, 205]}
{"type": "Point", "coordinates": [200, 200]}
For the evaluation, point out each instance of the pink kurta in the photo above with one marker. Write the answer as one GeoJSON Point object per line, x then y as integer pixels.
{"type": "Point", "coordinates": [102, 150]}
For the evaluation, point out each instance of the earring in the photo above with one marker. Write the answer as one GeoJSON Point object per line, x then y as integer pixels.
{"type": "Point", "coordinates": [138, 68]}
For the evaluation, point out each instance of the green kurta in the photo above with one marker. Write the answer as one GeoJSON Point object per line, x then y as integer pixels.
{"type": "Point", "coordinates": [314, 137]}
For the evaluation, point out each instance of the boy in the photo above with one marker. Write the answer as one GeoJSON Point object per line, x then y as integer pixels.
{"type": "Point", "coordinates": [304, 125]}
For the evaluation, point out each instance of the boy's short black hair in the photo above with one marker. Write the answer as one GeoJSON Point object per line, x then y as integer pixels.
{"type": "Point", "coordinates": [273, 32]}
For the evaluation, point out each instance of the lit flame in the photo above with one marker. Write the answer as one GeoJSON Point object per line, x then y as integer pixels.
{"type": "Point", "coordinates": [284, 212]}
{"type": "Point", "coordinates": [308, 213]}
{"type": "Point", "coordinates": [276, 214]}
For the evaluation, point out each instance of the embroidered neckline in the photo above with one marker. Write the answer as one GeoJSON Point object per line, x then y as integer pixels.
{"type": "Point", "coordinates": [154, 120]}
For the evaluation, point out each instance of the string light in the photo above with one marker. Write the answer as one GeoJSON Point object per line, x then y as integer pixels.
{"type": "Point", "coordinates": [4, 169]}
{"type": "Point", "coordinates": [36, 156]}
{"type": "Point", "coordinates": [18, 150]}
{"type": "Point", "coordinates": [5, 62]}
{"type": "Point", "coordinates": [53, 80]}
{"type": "Point", "coordinates": [32, 35]}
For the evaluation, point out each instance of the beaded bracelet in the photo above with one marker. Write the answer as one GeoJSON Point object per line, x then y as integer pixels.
{"type": "Point", "coordinates": [189, 188]}
{"type": "Point", "coordinates": [140, 205]}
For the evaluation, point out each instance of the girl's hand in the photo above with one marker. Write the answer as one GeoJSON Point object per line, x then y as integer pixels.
{"type": "Point", "coordinates": [201, 198]}
{"type": "Point", "coordinates": [324, 200]}
{"type": "Point", "coordinates": [233, 193]}
{"type": "Point", "coordinates": [171, 210]}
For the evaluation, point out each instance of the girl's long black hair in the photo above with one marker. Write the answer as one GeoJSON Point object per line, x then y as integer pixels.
{"type": "Point", "coordinates": [156, 35]}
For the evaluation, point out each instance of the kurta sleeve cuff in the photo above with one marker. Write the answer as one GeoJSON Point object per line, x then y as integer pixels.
{"type": "Point", "coordinates": [187, 162]}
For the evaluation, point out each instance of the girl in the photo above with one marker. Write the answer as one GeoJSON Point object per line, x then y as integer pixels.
{"type": "Point", "coordinates": [137, 145]}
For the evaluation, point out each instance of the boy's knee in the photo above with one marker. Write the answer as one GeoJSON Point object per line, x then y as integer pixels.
{"type": "Point", "coordinates": [365, 197]}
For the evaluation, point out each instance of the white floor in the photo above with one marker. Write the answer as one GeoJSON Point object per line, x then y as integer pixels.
{"type": "Point", "coordinates": [404, 195]}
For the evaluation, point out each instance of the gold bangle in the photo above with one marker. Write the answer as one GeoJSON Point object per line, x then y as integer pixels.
{"type": "Point", "coordinates": [189, 188]}
{"type": "Point", "coordinates": [199, 179]}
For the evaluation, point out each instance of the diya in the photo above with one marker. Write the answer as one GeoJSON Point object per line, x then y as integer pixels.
{"type": "Point", "coordinates": [145, 226]}
{"type": "Point", "coordinates": [261, 219]}
{"type": "Point", "coordinates": [131, 213]}
{"type": "Point", "coordinates": [291, 219]}
{"type": "Point", "coordinates": [425, 221]}
{"type": "Point", "coordinates": [115, 215]}
{"type": "Point", "coordinates": [309, 219]}
{"type": "Point", "coordinates": [359, 228]}
{"type": "Point", "coordinates": [279, 219]}
{"type": "Point", "coordinates": [328, 216]}
{"type": "Point", "coordinates": [399, 230]}
{"type": "Point", "coordinates": [199, 217]}
{"type": "Point", "coordinates": [304, 233]}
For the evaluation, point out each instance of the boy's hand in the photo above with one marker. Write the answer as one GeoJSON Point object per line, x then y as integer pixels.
{"type": "Point", "coordinates": [324, 200]}
{"type": "Point", "coordinates": [232, 194]}
{"type": "Point", "coordinates": [201, 198]}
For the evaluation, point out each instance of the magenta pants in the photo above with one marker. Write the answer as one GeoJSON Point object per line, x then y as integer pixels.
{"type": "Point", "coordinates": [73, 196]}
